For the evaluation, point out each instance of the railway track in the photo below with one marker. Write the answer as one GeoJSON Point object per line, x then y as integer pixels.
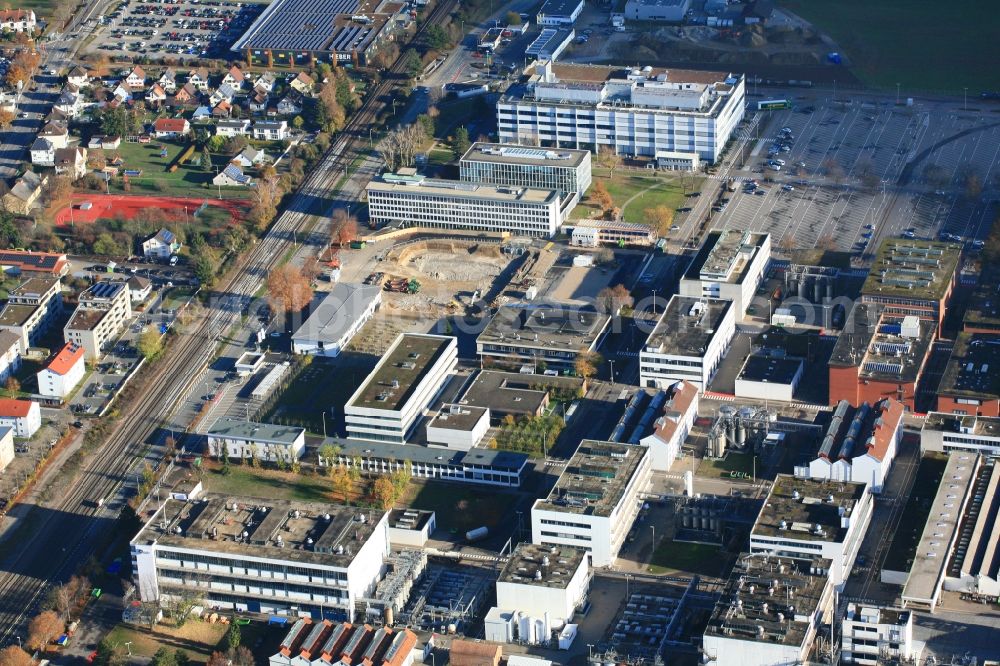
{"type": "Point", "coordinates": [64, 533]}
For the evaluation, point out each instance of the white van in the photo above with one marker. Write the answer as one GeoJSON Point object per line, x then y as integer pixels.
{"type": "Point", "coordinates": [173, 260]}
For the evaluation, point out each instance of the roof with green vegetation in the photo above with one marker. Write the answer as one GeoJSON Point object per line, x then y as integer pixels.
{"type": "Point", "coordinates": [912, 268]}
{"type": "Point", "coordinates": [807, 509]}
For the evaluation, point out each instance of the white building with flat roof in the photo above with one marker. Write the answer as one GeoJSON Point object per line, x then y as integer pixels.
{"type": "Point", "coordinates": [261, 556]}
{"type": "Point", "coordinates": [688, 343]}
{"type": "Point", "coordinates": [635, 112]}
{"type": "Point", "coordinates": [870, 634]}
{"type": "Point", "coordinates": [566, 170]}
{"type": "Point", "coordinates": [416, 201]}
{"type": "Point", "coordinates": [458, 426]}
{"type": "Point", "coordinates": [595, 501]}
{"type": "Point", "coordinates": [770, 611]}
{"type": "Point", "coordinates": [247, 440]}
{"type": "Point", "coordinates": [956, 432]}
{"type": "Point", "coordinates": [544, 580]}
{"type": "Point", "coordinates": [336, 319]}
{"type": "Point", "coordinates": [810, 518]}
{"type": "Point", "coordinates": [730, 264]}
{"type": "Point", "coordinates": [392, 400]}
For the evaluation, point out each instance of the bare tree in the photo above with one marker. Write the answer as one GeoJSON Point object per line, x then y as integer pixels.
{"type": "Point", "coordinates": [609, 159]}
{"type": "Point", "coordinates": [400, 146]}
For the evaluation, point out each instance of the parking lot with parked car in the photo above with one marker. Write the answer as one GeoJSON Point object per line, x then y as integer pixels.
{"type": "Point", "coordinates": [195, 28]}
{"type": "Point", "coordinates": [845, 173]}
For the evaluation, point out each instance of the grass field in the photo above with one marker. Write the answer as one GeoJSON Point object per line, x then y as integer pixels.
{"type": "Point", "coordinates": [460, 508]}
{"type": "Point", "coordinates": [187, 180]}
{"type": "Point", "coordinates": [636, 193]}
{"type": "Point", "coordinates": [246, 481]}
{"type": "Point", "coordinates": [733, 462]}
{"type": "Point", "coordinates": [920, 44]}
{"type": "Point", "coordinates": [197, 638]}
{"type": "Point", "coordinates": [695, 558]}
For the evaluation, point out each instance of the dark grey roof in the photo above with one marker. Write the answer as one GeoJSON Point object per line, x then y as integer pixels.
{"type": "Point", "coordinates": [337, 312]}
{"type": "Point", "coordinates": [501, 460]}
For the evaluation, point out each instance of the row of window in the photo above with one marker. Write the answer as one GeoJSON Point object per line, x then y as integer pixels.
{"type": "Point", "coordinates": [566, 535]}
{"type": "Point", "coordinates": [565, 523]}
{"type": "Point", "coordinates": [192, 560]}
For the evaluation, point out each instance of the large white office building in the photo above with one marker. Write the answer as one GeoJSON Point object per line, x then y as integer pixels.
{"type": "Point", "coordinates": [595, 501]}
{"type": "Point", "coordinates": [410, 200]}
{"type": "Point", "coordinates": [390, 403]}
{"type": "Point", "coordinates": [261, 556]}
{"type": "Point", "coordinates": [566, 170]}
{"type": "Point", "coordinates": [637, 112]}
{"type": "Point", "coordinates": [688, 343]}
{"type": "Point", "coordinates": [730, 264]}
{"type": "Point", "coordinates": [810, 518]}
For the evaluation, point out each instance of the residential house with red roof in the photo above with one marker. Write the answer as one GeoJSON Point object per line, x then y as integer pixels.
{"type": "Point", "coordinates": [671, 429]}
{"type": "Point", "coordinates": [859, 444]}
{"type": "Point", "coordinates": [63, 372]}
{"type": "Point", "coordinates": [171, 127]}
{"type": "Point", "coordinates": [24, 416]}
{"type": "Point", "coordinates": [18, 20]}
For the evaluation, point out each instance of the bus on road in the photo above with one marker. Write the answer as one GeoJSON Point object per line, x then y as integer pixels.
{"type": "Point", "coordinates": [773, 104]}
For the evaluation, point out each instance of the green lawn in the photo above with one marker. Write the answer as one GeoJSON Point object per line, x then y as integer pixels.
{"type": "Point", "coordinates": [652, 191]}
{"type": "Point", "coordinates": [695, 558]}
{"type": "Point", "coordinates": [733, 462]}
{"type": "Point", "coordinates": [920, 44]}
{"type": "Point", "coordinates": [197, 638]}
{"type": "Point", "coordinates": [247, 481]}
{"type": "Point", "coordinates": [176, 297]}
{"type": "Point", "coordinates": [460, 508]}
{"type": "Point", "coordinates": [187, 180]}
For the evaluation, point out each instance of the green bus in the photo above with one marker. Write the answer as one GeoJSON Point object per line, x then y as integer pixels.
{"type": "Point", "coordinates": [773, 105]}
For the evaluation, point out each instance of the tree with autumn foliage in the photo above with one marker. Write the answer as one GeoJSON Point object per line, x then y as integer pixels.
{"type": "Point", "coordinates": [343, 228]}
{"type": "Point", "coordinates": [612, 300]}
{"type": "Point", "coordinates": [45, 628]}
{"type": "Point", "coordinates": [12, 655]}
{"type": "Point", "coordinates": [660, 218]}
{"type": "Point", "coordinates": [600, 197]}
{"type": "Point", "coordinates": [384, 492]}
{"type": "Point", "coordinates": [288, 289]}
{"type": "Point", "coordinates": [587, 363]}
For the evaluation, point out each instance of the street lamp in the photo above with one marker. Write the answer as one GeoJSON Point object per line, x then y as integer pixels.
{"type": "Point", "coordinates": [965, 99]}
{"type": "Point", "coordinates": [324, 423]}
{"type": "Point", "coordinates": [612, 370]}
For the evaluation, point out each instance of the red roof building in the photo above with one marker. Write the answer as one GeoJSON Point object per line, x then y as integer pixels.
{"type": "Point", "coordinates": [48, 263]}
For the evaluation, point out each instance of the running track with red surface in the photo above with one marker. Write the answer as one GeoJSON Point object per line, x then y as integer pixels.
{"type": "Point", "coordinates": [116, 205]}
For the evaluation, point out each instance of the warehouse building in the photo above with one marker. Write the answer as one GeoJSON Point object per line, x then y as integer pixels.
{"type": "Point", "coordinates": [595, 501]}
{"type": "Point", "coordinates": [566, 170]}
{"type": "Point", "coordinates": [730, 264]}
{"type": "Point", "coordinates": [416, 201]}
{"type": "Point", "coordinates": [812, 518]}
{"type": "Point", "coordinates": [770, 611]}
{"type": "Point", "coordinates": [945, 433]}
{"type": "Point", "coordinates": [913, 277]}
{"type": "Point", "coordinates": [667, 11]}
{"type": "Point", "coordinates": [859, 444]}
{"type": "Point", "coordinates": [390, 403]}
{"type": "Point", "coordinates": [335, 320]}
{"type": "Point", "coordinates": [974, 563]}
{"type": "Point", "coordinates": [688, 343]}
{"type": "Point", "coordinates": [970, 383]}
{"type": "Point", "coordinates": [937, 541]}
{"type": "Point", "coordinates": [559, 12]}
{"type": "Point", "coordinates": [770, 377]}
{"type": "Point", "coordinates": [553, 334]}
{"type": "Point", "coordinates": [483, 466]}
{"type": "Point", "coordinates": [241, 553]}
{"type": "Point", "coordinates": [303, 32]}
{"type": "Point", "coordinates": [550, 43]}
{"type": "Point", "coordinates": [636, 112]}
{"type": "Point", "coordinates": [879, 355]}
{"type": "Point", "coordinates": [594, 233]}
{"type": "Point", "coordinates": [539, 589]}
{"type": "Point", "coordinates": [871, 634]}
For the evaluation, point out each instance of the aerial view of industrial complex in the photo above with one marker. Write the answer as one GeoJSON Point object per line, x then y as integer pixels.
{"type": "Point", "coordinates": [483, 332]}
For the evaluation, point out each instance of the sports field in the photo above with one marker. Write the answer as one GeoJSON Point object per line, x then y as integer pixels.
{"type": "Point", "coordinates": [923, 45]}
{"type": "Point", "coordinates": [179, 209]}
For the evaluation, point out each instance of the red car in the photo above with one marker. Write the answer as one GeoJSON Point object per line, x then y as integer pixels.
{"type": "Point", "coordinates": [91, 657]}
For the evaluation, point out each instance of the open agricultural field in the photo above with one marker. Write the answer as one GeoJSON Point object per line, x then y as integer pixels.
{"type": "Point", "coordinates": [921, 44]}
